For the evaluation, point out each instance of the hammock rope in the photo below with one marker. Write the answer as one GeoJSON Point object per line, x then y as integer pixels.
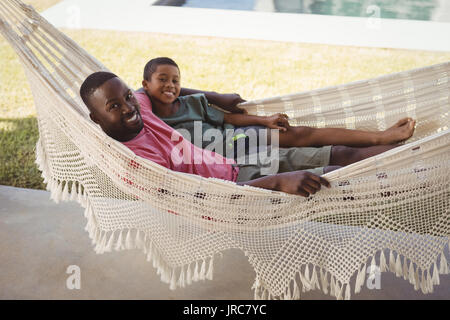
{"type": "Point", "coordinates": [390, 211]}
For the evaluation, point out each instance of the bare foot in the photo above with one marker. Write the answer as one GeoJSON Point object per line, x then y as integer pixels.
{"type": "Point", "coordinates": [400, 131]}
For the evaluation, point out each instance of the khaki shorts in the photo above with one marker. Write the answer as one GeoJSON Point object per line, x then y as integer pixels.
{"type": "Point", "coordinates": [289, 159]}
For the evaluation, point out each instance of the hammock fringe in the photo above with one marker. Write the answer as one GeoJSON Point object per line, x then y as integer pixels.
{"type": "Point", "coordinates": [106, 241]}
{"type": "Point", "coordinates": [429, 277]}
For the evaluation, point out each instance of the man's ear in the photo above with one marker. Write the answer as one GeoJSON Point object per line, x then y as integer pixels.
{"type": "Point", "coordinates": [94, 118]}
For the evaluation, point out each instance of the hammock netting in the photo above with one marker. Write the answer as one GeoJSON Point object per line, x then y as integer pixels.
{"type": "Point", "coordinates": [389, 211]}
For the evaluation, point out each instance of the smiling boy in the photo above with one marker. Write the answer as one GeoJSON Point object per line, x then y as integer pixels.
{"type": "Point", "coordinates": [320, 147]}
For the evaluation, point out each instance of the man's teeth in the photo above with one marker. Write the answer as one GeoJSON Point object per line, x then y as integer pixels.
{"type": "Point", "coordinates": [133, 118]}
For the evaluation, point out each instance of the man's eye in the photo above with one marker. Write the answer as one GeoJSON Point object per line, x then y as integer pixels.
{"type": "Point", "coordinates": [130, 96]}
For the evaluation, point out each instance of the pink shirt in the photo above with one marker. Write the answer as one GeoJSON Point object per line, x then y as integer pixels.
{"type": "Point", "coordinates": [162, 144]}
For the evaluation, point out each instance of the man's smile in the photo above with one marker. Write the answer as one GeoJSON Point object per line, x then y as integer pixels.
{"type": "Point", "coordinates": [133, 118]}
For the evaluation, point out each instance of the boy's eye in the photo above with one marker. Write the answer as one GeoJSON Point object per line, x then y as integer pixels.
{"type": "Point", "coordinates": [114, 105]}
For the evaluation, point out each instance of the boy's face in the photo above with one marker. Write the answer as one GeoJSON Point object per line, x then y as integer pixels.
{"type": "Point", "coordinates": [116, 110]}
{"type": "Point", "coordinates": [164, 84]}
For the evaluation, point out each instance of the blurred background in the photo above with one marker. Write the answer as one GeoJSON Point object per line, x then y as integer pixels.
{"type": "Point", "coordinates": [434, 10]}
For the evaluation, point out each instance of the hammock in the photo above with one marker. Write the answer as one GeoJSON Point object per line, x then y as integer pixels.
{"type": "Point", "coordinates": [390, 211]}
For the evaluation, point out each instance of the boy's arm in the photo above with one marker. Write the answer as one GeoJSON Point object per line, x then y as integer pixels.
{"type": "Point", "coordinates": [276, 121]}
{"type": "Point", "coordinates": [301, 183]}
{"type": "Point", "coordinates": [226, 101]}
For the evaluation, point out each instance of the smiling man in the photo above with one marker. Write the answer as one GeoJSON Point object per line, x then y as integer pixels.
{"type": "Point", "coordinates": [114, 107]}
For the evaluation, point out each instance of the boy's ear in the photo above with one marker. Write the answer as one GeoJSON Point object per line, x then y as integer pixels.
{"type": "Point", "coordinates": [145, 84]}
{"type": "Point", "coordinates": [94, 118]}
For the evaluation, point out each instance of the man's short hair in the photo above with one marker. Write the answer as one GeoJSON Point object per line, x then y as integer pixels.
{"type": "Point", "coordinates": [151, 66]}
{"type": "Point", "coordinates": [92, 82]}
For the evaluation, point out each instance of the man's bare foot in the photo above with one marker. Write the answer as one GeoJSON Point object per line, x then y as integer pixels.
{"type": "Point", "coordinates": [400, 131]}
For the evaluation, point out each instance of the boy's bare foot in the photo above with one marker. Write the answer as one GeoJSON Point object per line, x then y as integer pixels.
{"type": "Point", "coordinates": [400, 131]}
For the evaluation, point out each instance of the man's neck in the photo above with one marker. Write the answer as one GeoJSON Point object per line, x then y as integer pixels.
{"type": "Point", "coordinates": [128, 137]}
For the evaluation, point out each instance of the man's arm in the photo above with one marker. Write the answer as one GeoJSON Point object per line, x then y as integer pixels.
{"type": "Point", "coordinates": [226, 101]}
{"type": "Point", "coordinates": [301, 183]}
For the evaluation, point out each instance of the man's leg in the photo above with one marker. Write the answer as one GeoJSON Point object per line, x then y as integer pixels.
{"type": "Point", "coordinates": [343, 156]}
{"type": "Point", "coordinates": [330, 168]}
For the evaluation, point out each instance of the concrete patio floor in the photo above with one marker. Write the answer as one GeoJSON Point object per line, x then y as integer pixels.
{"type": "Point", "coordinates": [39, 240]}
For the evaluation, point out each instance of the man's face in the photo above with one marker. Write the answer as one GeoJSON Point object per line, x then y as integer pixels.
{"type": "Point", "coordinates": [116, 110]}
{"type": "Point", "coordinates": [164, 85]}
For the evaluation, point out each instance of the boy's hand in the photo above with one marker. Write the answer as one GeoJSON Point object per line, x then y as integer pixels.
{"type": "Point", "coordinates": [277, 121]}
{"type": "Point", "coordinates": [301, 183]}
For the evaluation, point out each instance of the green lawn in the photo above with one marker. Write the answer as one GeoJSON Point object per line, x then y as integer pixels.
{"type": "Point", "coordinates": [252, 68]}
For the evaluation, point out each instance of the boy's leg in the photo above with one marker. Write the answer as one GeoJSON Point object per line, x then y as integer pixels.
{"type": "Point", "coordinates": [317, 137]}
{"type": "Point", "coordinates": [292, 137]}
{"type": "Point", "coordinates": [343, 156]}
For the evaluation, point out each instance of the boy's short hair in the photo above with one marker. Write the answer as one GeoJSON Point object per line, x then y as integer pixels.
{"type": "Point", "coordinates": [151, 66]}
{"type": "Point", "coordinates": [92, 82]}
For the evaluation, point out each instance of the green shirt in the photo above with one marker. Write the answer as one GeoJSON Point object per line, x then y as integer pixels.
{"type": "Point", "coordinates": [195, 108]}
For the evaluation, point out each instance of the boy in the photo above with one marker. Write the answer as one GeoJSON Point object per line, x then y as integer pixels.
{"type": "Point", "coordinates": [162, 85]}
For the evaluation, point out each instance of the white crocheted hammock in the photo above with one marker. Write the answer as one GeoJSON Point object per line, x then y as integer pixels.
{"type": "Point", "coordinates": [391, 210]}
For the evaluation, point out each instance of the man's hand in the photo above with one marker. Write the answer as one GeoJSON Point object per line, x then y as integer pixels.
{"type": "Point", "coordinates": [277, 121]}
{"type": "Point", "coordinates": [301, 183]}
